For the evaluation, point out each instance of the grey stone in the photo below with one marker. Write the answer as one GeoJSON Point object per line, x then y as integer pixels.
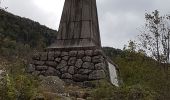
{"type": "Point", "coordinates": [80, 53]}
{"type": "Point", "coordinates": [41, 68]}
{"type": "Point", "coordinates": [80, 77]}
{"type": "Point", "coordinates": [58, 60]}
{"type": "Point", "coordinates": [84, 71]}
{"type": "Point", "coordinates": [36, 56]}
{"type": "Point", "coordinates": [89, 52]}
{"type": "Point", "coordinates": [72, 61]}
{"type": "Point", "coordinates": [43, 56]}
{"type": "Point", "coordinates": [52, 84]}
{"type": "Point", "coordinates": [64, 54]}
{"type": "Point", "coordinates": [57, 54]}
{"type": "Point", "coordinates": [65, 57]}
{"type": "Point", "coordinates": [79, 63]}
{"type": "Point", "coordinates": [51, 55]}
{"type": "Point", "coordinates": [97, 52]}
{"type": "Point", "coordinates": [97, 75]}
{"type": "Point", "coordinates": [99, 66]}
{"type": "Point", "coordinates": [39, 62]}
{"type": "Point", "coordinates": [30, 68]}
{"type": "Point", "coordinates": [88, 65]}
{"type": "Point", "coordinates": [62, 64]}
{"type": "Point", "coordinates": [51, 63]}
{"type": "Point", "coordinates": [66, 76]}
{"type": "Point", "coordinates": [71, 70]}
{"type": "Point", "coordinates": [64, 69]}
{"type": "Point", "coordinates": [36, 73]}
{"type": "Point", "coordinates": [97, 59]}
{"type": "Point", "coordinates": [51, 71]}
{"type": "Point", "coordinates": [73, 53]}
{"type": "Point", "coordinates": [87, 59]}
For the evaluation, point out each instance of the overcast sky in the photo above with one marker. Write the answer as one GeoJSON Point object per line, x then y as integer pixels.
{"type": "Point", "coordinates": [119, 19]}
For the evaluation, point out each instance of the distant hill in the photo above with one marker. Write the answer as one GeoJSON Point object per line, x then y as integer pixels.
{"type": "Point", "coordinates": [24, 30]}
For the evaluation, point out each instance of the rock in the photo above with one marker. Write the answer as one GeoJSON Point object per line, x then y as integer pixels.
{"type": "Point", "coordinates": [39, 62]}
{"type": "Point", "coordinates": [57, 54]}
{"type": "Point", "coordinates": [84, 71]}
{"type": "Point", "coordinates": [97, 52]}
{"type": "Point", "coordinates": [97, 75]}
{"type": "Point", "coordinates": [64, 54]}
{"type": "Point", "coordinates": [36, 73]}
{"type": "Point", "coordinates": [66, 76]}
{"type": "Point", "coordinates": [79, 63]}
{"type": "Point", "coordinates": [97, 59]}
{"type": "Point", "coordinates": [58, 60]}
{"type": "Point", "coordinates": [41, 68]}
{"type": "Point", "coordinates": [52, 84]}
{"type": "Point", "coordinates": [100, 66]}
{"type": "Point", "coordinates": [80, 53]}
{"type": "Point", "coordinates": [62, 64]}
{"type": "Point", "coordinates": [71, 70]}
{"type": "Point", "coordinates": [64, 69]}
{"type": "Point", "coordinates": [80, 77]}
{"type": "Point", "coordinates": [87, 59]}
{"type": "Point", "coordinates": [36, 56]}
{"type": "Point", "coordinates": [30, 68]}
{"type": "Point", "coordinates": [73, 53]}
{"type": "Point", "coordinates": [65, 57]}
{"type": "Point", "coordinates": [39, 97]}
{"type": "Point", "coordinates": [51, 63]}
{"type": "Point", "coordinates": [72, 61]}
{"type": "Point", "coordinates": [43, 56]}
{"type": "Point", "coordinates": [88, 65]}
{"type": "Point", "coordinates": [51, 71]}
{"type": "Point", "coordinates": [51, 55]}
{"type": "Point", "coordinates": [89, 52]}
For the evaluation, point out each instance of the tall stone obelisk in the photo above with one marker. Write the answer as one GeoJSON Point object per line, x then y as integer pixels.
{"type": "Point", "coordinates": [79, 25]}
{"type": "Point", "coordinates": [76, 55]}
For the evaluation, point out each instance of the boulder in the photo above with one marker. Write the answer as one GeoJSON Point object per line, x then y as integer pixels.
{"type": "Point", "coordinates": [72, 61]}
{"type": "Point", "coordinates": [79, 63]}
{"type": "Point", "coordinates": [87, 59]}
{"type": "Point", "coordinates": [97, 75]}
{"type": "Point", "coordinates": [88, 65]}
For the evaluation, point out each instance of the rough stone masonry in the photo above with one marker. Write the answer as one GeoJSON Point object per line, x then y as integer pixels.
{"type": "Point", "coordinates": [76, 53]}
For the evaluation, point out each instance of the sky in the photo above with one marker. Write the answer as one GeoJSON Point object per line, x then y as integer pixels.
{"type": "Point", "coordinates": [119, 20]}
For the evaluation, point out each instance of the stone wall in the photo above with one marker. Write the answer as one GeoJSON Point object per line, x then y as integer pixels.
{"type": "Point", "coordinates": [77, 65]}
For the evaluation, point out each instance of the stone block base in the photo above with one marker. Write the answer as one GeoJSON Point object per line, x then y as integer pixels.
{"type": "Point", "coordinates": [77, 65]}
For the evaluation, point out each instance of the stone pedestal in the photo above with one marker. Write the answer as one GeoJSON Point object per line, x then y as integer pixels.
{"type": "Point", "coordinates": [76, 65]}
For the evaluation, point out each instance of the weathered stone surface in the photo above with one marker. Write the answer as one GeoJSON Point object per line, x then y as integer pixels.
{"type": "Point", "coordinates": [66, 76]}
{"type": "Point", "coordinates": [71, 70]}
{"type": "Point", "coordinates": [51, 71]}
{"type": "Point", "coordinates": [51, 63]}
{"type": "Point", "coordinates": [65, 57]}
{"type": "Point", "coordinates": [97, 59]}
{"type": "Point", "coordinates": [97, 75]}
{"type": "Point", "coordinates": [36, 73]}
{"type": "Point", "coordinates": [57, 53]}
{"type": "Point", "coordinates": [64, 69]}
{"type": "Point", "coordinates": [43, 56]}
{"type": "Point", "coordinates": [62, 64]}
{"type": "Point", "coordinates": [30, 68]}
{"type": "Point", "coordinates": [58, 60]}
{"type": "Point", "coordinates": [64, 54]}
{"type": "Point", "coordinates": [100, 66]}
{"type": "Point", "coordinates": [73, 53]}
{"type": "Point", "coordinates": [36, 56]}
{"type": "Point", "coordinates": [72, 61]}
{"type": "Point", "coordinates": [40, 68]}
{"type": "Point", "coordinates": [89, 52]}
{"type": "Point", "coordinates": [79, 63]}
{"type": "Point", "coordinates": [97, 52]}
{"type": "Point", "coordinates": [52, 84]}
{"type": "Point", "coordinates": [51, 55]}
{"type": "Point", "coordinates": [87, 59]}
{"type": "Point", "coordinates": [88, 65]}
{"type": "Point", "coordinates": [80, 53]}
{"type": "Point", "coordinates": [84, 71]}
{"type": "Point", "coordinates": [39, 62]}
{"type": "Point", "coordinates": [80, 77]}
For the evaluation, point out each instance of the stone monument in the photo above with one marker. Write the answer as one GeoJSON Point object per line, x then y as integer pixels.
{"type": "Point", "coordinates": [76, 54]}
